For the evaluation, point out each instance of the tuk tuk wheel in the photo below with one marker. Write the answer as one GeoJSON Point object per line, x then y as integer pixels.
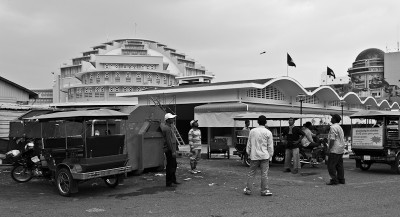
{"type": "Point", "coordinates": [365, 165]}
{"type": "Point", "coordinates": [111, 182]}
{"type": "Point", "coordinates": [64, 182]}
{"type": "Point", "coordinates": [396, 165]}
{"type": "Point", "coordinates": [246, 160]}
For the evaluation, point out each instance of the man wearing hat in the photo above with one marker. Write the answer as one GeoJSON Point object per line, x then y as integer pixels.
{"type": "Point", "coordinates": [336, 150]}
{"type": "Point", "coordinates": [169, 149]}
{"type": "Point", "coordinates": [195, 146]}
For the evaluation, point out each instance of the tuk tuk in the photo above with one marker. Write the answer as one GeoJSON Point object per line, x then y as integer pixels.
{"type": "Point", "coordinates": [377, 140]}
{"type": "Point", "coordinates": [81, 145]}
{"type": "Point", "coordinates": [241, 136]}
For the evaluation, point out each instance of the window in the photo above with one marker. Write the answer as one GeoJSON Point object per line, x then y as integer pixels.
{"type": "Point", "coordinates": [106, 76]}
{"type": "Point", "coordinates": [149, 78]}
{"type": "Point", "coordinates": [117, 78]}
{"type": "Point", "coordinates": [111, 92]}
{"type": "Point", "coordinates": [98, 77]}
{"type": "Point", "coordinates": [71, 93]}
{"type": "Point", "coordinates": [88, 92]}
{"type": "Point", "coordinates": [90, 78]}
{"type": "Point", "coordinates": [78, 93]}
{"type": "Point", "coordinates": [128, 77]}
{"type": "Point", "coordinates": [158, 80]}
{"type": "Point", "coordinates": [138, 77]}
{"type": "Point", "coordinates": [99, 92]}
{"type": "Point", "coordinates": [165, 79]}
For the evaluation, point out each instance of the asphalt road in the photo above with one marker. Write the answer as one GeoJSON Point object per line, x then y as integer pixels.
{"type": "Point", "coordinates": [217, 191]}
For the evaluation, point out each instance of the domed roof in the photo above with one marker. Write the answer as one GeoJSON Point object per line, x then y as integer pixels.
{"type": "Point", "coordinates": [371, 53]}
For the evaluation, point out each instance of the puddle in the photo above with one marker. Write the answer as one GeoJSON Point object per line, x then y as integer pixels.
{"type": "Point", "coordinates": [144, 191]}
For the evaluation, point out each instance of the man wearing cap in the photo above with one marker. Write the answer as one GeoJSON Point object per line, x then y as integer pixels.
{"type": "Point", "coordinates": [260, 149]}
{"type": "Point", "coordinates": [169, 149]}
{"type": "Point", "coordinates": [195, 146]}
{"type": "Point", "coordinates": [336, 150]}
{"type": "Point", "coordinates": [293, 136]}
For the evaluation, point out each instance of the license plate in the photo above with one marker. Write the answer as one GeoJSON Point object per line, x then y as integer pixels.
{"type": "Point", "coordinates": [366, 157]}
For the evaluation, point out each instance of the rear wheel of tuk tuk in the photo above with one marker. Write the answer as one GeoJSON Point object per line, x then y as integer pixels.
{"type": "Point", "coordinates": [64, 182]}
{"type": "Point", "coordinates": [396, 165]}
{"type": "Point", "coordinates": [365, 165]}
{"type": "Point", "coordinates": [111, 181]}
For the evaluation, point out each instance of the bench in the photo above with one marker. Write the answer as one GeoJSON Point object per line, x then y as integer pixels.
{"type": "Point", "coordinates": [99, 146]}
{"type": "Point", "coordinates": [219, 146]}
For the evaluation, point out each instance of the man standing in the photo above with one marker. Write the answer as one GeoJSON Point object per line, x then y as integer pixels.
{"type": "Point", "coordinates": [293, 136]}
{"type": "Point", "coordinates": [169, 149]}
{"type": "Point", "coordinates": [260, 149]}
{"type": "Point", "coordinates": [336, 150]}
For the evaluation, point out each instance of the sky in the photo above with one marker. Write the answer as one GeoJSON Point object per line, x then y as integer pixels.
{"type": "Point", "coordinates": [225, 36]}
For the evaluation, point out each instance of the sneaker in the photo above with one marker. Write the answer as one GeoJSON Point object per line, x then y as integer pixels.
{"type": "Point", "coordinates": [266, 193]}
{"type": "Point", "coordinates": [193, 171]}
{"type": "Point", "coordinates": [246, 191]}
{"type": "Point", "coordinates": [198, 171]}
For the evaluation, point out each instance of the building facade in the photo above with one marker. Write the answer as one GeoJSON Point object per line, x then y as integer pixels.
{"type": "Point", "coordinates": [45, 97]}
{"type": "Point", "coordinates": [125, 65]}
{"type": "Point", "coordinates": [367, 74]}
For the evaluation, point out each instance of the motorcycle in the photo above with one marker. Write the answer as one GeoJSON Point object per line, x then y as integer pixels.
{"type": "Point", "coordinates": [28, 164]}
{"type": "Point", "coordinates": [306, 154]}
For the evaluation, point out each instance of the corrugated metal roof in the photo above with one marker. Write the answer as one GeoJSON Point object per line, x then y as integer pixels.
{"type": "Point", "coordinates": [31, 93]}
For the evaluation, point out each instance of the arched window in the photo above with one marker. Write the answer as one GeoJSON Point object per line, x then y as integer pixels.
{"type": "Point", "coordinates": [128, 77]}
{"type": "Point", "coordinates": [117, 77]}
{"type": "Point", "coordinates": [149, 78]}
{"type": "Point", "coordinates": [139, 77]}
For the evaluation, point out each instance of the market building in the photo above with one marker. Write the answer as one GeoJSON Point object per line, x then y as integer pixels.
{"type": "Point", "coordinates": [122, 66]}
{"type": "Point", "coordinates": [216, 105]}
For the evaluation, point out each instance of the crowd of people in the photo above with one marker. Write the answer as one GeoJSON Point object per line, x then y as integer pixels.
{"type": "Point", "coordinates": [260, 150]}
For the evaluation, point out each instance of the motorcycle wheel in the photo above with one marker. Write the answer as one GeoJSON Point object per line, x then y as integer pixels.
{"type": "Point", "coordinates": [246, 160]}
{"type": "Point", "coordinates": [21, 174]}
{"type": "Point", "coordinates": [112, 181]}
{"type": "Point", "coordinates": [64, 182]}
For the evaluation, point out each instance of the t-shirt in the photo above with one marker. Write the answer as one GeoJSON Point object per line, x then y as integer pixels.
{"type": "Point", "coordinates": [336, 134]}
{"type": "Point", "coordinates": [307, 139]}
{"type": "Point", "coordinates": [195, 138]}
{"type": "Point", "coordinates": [293, 134]}
{"type": "Point", "coordinates": [260, 145]}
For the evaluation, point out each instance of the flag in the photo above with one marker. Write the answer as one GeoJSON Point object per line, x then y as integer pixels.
{"type": "Point", "coordinates": [262, 52]}
{"type": "Point", "coordinates": [290, 61]}
{"type": "Point", "coordinates": [330, 72]}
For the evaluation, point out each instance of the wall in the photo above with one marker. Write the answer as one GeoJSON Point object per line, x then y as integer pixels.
{"type": "Point", "coordinates": [12, 94]}
{"type": "Point", "coordinates": [392, 68]}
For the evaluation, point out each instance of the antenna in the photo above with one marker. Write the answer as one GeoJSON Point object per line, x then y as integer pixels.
{"type": "Point", "coordinates": [135, 29]}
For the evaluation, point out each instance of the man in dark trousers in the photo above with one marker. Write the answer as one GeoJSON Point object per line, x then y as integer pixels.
{"type": "Point", "coordinates": [336, 150]}
{"type": "Point", "coordinates": [293, 136]}
{"type": "Point", "coordinates": [169, 149]}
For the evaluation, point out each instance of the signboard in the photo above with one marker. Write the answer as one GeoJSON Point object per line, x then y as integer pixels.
{"type": "Point", "coordinates": [367, 138]}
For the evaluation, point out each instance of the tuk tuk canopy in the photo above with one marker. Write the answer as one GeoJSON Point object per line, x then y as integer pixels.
{"type": "Point", "coordinates": [81, 115]}
{"type": "Point", "coordinates": [375, 114]}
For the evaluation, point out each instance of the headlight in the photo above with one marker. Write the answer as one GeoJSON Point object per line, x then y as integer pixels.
{"type": "Point", "coordinates": [29, 145]}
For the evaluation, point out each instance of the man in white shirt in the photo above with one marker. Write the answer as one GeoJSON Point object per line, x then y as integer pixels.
{"type": "Point", "coordinates": [260, 150]}
{"type": "Point", "coordinates": [336, 150]}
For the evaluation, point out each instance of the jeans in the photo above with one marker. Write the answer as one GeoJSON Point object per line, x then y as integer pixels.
{"type": "Point", "coordinates": [289, 154]}
{"type": "Point", "coordinates": [170, 176]}
{"type": "Point", "coordinates": [195, 155]}
{"type": "Point", "coordinates": [335, 167]}
{"type": "Point", "coordinates": [254, 164]}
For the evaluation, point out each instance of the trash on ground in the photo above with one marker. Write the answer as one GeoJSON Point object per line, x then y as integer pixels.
{"type": "Point", "coordinates": [212, 184]}
{"type": "Point", "coordinates": [199, 177]}
{"type": "Point", "coordinates": [320, 178]}
{"type": "Point", "coordinates": [187, 179]}
{"type": "Point", "coordinates": [159, 174]}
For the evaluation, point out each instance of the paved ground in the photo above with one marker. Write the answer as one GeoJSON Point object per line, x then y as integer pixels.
{"type": "Point", "coordinates": [215, 192]}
